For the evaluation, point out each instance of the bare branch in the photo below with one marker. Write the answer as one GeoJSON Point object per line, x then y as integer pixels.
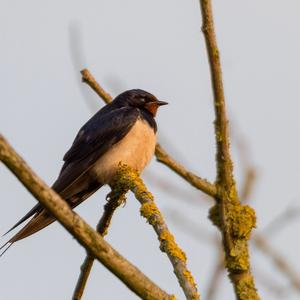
{"type": "Point", "coordinates": [216, 277]}
{"type": "Point", "coordinates": [285, 218]}
{"type": "Point", "coordinates": [278, 260]}
{"type": "Point", "coordinates": [88, 78]}
{"type": "Point", "coordinates": [272, 285]}
{"type": "Point", "coordinates": [246, 192]}
{"type": "Point", "coordinates": [199, 183]}
{"type": "Point", "coordinates": [249, 171]}
{"type": "Point", "coordinates": [127, 178]}
{"type": "Point", "coordinates": [190, 227]}
{"type": "Point", "coordinates": [131, 276]}
{"type": "Point", "coordinates": [234, 220]}
{"type": "Point", "coordinates": [102, 227]}
{"type": "Point", "coordinates": [85, 271]}
{"type": "Point", "coordinates": [176, 191]}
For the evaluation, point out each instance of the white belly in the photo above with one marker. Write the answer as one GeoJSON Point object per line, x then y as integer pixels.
{"type": "Point", "coordinates": [135, 150]}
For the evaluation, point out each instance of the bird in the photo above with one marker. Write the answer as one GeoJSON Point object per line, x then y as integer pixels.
{"type": "Point", "coordinates": [122, 131]}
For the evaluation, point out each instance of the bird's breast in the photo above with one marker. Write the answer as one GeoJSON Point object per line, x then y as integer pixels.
{"type": "Point", "coordinates": [135, 149]}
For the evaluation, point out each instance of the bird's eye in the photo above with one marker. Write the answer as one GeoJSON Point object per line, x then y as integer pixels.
{"type": "Point", "coordinates": [143, 100]}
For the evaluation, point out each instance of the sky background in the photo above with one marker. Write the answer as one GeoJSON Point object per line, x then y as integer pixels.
{"type": "Point", "coordinates": [157, 46]}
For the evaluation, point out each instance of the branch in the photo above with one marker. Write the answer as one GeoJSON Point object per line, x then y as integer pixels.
{"type": "Point", "coordinates": [188, 226]}
{"type": "Point", "coordinates": [234, 220]}
{"type": "Point", "coordinates": [85, 271]}
{"type": "Point", "coordinates": [249, 181]}
{"type": "Point", "coordinates": [273, 286]}
{"type": "Point", "coordinates": [284, 219]}
{"type": "Point", "coordinates": [88, 78]}
{"type": "Point", "coordinates": [132, 277]}
{"type": "Point", "coordinates": [102, 228]}
{"type": "Point", "coordinates": [197, 182]}
{"type": "Point", "coordinates": [126, 178]}
{"type": "Point", "coordinates": [216, 276]}
{"type": "Point", "coordinates": [258, 240]}
{"type": "Point", "coordinates": [278, 260]}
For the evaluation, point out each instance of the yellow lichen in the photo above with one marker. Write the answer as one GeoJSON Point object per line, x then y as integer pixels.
{"type": "Point", "coordinates": [150, 211]}
{"type": "Point", "coordinates": [219, 136]}
{"type": "Point", "coordinates": [128, 178]}
{"type": "Point", "coordinates": [215, 53]}
{"type": "Point", "coordinates": [239, 220]}
{"type": "Point", "coordinates": [233, 193]}
{"type": "Point", "coordinates": [169, 245]}
{"type": "Point", "coordinates": [242, 218]}
{"type": "Point", "coordinates": [238, 260]}
{"type": "Point", "coordinates": [187, 274]}
{"type": "Point", "coordinates": [245, 288]}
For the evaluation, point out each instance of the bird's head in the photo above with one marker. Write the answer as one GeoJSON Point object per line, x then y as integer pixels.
{"type": "Point", "coordinates": [140, 99]}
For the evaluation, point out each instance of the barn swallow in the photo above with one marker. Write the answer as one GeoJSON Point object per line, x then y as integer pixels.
{"type": "Point", "coordinates": [122, 131]}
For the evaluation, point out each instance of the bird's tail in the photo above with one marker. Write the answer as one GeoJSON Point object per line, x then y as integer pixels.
{"type": "Point", "coordinates": [38, 222]}
{"type": "Point", "coordinates": [41, 218]}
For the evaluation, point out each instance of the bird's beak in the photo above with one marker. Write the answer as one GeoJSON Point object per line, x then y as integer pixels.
{"type": "Point", "coordinates": [153, 106]}
{"type": "Point", "coordinates": [160, 103]}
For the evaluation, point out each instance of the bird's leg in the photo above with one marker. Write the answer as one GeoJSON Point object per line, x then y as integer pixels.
{"type": "Point", "coordinates": [116, 196]}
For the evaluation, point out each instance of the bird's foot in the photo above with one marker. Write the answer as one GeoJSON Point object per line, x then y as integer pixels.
{"type": "Point", "coordinates": [116, 196]}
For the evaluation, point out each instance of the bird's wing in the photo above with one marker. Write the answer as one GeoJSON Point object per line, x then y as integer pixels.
{"type": "Point", "coordinates": [36, 209]}
{"type": "Point", "coordinates": [93, 140]}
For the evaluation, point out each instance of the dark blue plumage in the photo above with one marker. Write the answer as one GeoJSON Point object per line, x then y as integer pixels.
{"type": "Point", "coordinates": [76, 182]}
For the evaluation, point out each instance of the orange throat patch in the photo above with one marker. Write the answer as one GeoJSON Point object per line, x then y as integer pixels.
{"type": "Point", "coordinates": [152, 108]}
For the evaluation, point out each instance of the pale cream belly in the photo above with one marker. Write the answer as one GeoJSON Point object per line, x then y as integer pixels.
{"type": "Point", "coordinates": [135, 149]}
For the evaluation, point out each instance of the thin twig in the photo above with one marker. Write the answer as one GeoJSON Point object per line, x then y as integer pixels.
{"type": "Point", "coordinates": [278, 260]}
{"type": "Point", "coordinates": [216, 276]}
{"type": "Point", "coordinates": [190, 227]}
{"type": "Point", "coordinates": [199, 183]}
{"type": "Point", "coordinates": [272, 285]}
{"type": "Point", "coordinates": [285, 218]}
{"type": "Point", "coordinates": [234, 220]}
{"type": "Point", "coordinates": [85, 271]}
{"type": "Point", "coordinates": [89, 79]}
{"type": "Point", "coordinates": [102, 228]}
{"type": "Point", "coordinates": [245, 161]}
{"type": "Point", "coordinates": [131, 276]}
{"type": "Point", "coordinates": [176, 191]}
{"type": "Point", "coordinates": [129, 179]}
{"type": "Point", "coordinates": [246, 192]}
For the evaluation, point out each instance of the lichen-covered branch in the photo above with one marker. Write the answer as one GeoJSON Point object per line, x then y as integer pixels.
{"type": "Point", "coordinates": [130, 179]}
{"type": "Point", "coordinates": [258, 240]}
{"type": "Point", "coordinates": [102, 227]}
{"type": "Point", "coordinates": [234, 220]}
{"type": "Point", "coordinates": [131, 276]}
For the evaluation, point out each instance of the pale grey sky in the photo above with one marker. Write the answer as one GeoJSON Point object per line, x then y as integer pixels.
{"type": "Point", "coordinates": [157, 46]}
